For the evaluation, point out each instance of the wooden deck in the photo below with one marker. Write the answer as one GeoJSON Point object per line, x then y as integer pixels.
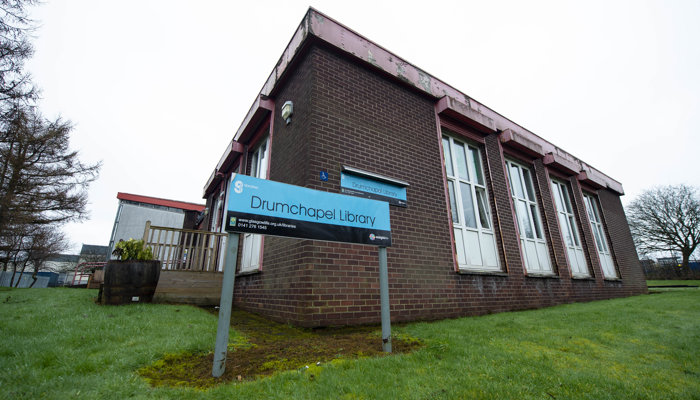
{"type": "Point", "coordinates": [189, 287]}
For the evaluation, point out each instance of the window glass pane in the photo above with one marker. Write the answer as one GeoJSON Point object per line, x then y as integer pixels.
{"type": "Point", "coordinates": [467, 205]}
{"type": "Point", "coordinates": [565, 231]}
{"type": "Point", "coordinates": [262, 171]}
{"type": "Point", "coordinates": [528, 185]}
{"type": "Point", "coordinates": [459, 245]}
{"type": "Point", "coordinates": [536, 219]}
{"type": "Point", "coordinates": [604, 247]}
{"type": "Point", "coordinates": [572, 224]}
{"type": "Point", "coordinates": [453, 202]}
{"type": "Point", "coordinates": [476, 163]}
{"type": "Point", "coordinates": [524, 220]}
{"type": "Point", "coordinates": [596, 214]}
{"type": "Point", "coordinates": [510, 179]}
{"type": "Point", "coordinates": [566, 199]}
{"type": "Point", "coordinates": [461, 161]}
{"type": "Point", "coordinates": [556, 193]}
{"type": "Point", "coordinates": [596, 233]}
{"type": "Point", "coordinates": [515, 182]}
{"type": "Point", "coordinates": [448, 156]}
{"type": "Point", "coordinates": [254, 164]}
{"type": "Point", "coordinates": [481, 203]}
{"type": "Point", "coordinates": [589, 210]}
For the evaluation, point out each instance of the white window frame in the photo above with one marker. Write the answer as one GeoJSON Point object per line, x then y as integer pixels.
{"type": "Point", "coordinates": [252, 243]}
{"type": "Point", "coordinates": [595, 217]}
{"type": "Point", "coordinates": [569, 229]}
{"type": "Point", "coordinates": [528, 219]}
{"type": "Point", "coordinates": [474, 237]}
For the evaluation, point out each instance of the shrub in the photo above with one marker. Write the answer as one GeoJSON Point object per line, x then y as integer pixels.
{"type": "Point", "coordinates": [129, 250]}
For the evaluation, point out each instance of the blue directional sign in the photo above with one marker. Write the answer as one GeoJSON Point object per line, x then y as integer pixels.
{"type": "Point", "coordinates": [273, 208]}
{"type": "Point", "coordinates": [356, 185]}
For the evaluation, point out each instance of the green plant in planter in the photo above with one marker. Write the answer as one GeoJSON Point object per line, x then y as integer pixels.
{"type": "Point", "coordinates": [132, 249]}
{"type": "Point", "coordinates": [133, 278]}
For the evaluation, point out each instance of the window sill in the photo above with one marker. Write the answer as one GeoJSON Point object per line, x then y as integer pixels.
{"type": "Point", "coordinates": [462, 271]}
{"type": "Point", "coordinates": [613, 279]}
{"type": "Point", "coordinates": [545, 276]}
{"type": "Point", "coordinates": [583, 278]}
{"type": "Point", "coordinates": [246, 273]}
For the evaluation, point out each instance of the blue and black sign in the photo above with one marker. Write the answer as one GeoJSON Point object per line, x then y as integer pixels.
{"type": "Point", "coordinates": [273, 208]}
{"type": "Point", "coordinates": [367, 187]}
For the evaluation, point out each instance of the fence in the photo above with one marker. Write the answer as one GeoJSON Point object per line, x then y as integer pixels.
{"type": "Point", "coordinates": [663, 269]}
{"type": "Point", "coordinates": [184, 249]}
{"type": "Point", "coordinates": [83, 272]}
{"type": "Point", "coordinates": [25, 280]}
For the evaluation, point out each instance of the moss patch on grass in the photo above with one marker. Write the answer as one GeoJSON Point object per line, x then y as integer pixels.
{"type": "Point", "coordinates": [270, 348]}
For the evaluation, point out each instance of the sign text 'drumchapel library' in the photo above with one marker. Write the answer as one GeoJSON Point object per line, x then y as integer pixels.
{"type": "Point", "coordinates": [365, 186]}
{"type": "Point", "coordinates": [273, 208]}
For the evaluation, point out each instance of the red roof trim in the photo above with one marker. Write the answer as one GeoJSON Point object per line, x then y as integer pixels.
{"type": "Point", "coordinates": [161, 202]}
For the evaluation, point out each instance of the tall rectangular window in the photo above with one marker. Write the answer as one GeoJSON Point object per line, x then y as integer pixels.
{"type": "Point", "coordinates": [532, 242]}
{"type": "Point", "coordinates": [475, 241]}
{"type": "Point", "coordinates": [569, 230]}
{"type": "Point", "coordinates": [250, 257]}
{"type": "Point", "coordinates": [596, 220]}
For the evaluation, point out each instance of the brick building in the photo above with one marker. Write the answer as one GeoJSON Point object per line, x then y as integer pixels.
{"type": "Point", "coordinates": [496, 218]}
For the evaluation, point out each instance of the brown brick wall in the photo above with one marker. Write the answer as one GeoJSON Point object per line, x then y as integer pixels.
{"type": "Point", "coordinates": [620, 238]}
{"type": "Point", "coordinates": [557, 249]}
{"type": "Point", "coordinates": [500, 196]}
{"type": "Point", "coordinates": [345, 114]}
{"type": "Point", "coordinates": [282, 290]}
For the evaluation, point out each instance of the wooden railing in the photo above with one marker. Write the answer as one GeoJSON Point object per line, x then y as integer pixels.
{"type": "Point", "coordinates": [185, 249]}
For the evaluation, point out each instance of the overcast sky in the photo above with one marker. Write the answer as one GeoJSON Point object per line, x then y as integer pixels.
{"type": "Point", "coordinates": [156, 89]}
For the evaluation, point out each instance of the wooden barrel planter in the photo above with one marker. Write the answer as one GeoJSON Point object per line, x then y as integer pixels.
{"type": "Point", "coordinates": [127, 282]}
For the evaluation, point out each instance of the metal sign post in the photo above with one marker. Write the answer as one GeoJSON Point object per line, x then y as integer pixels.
{"type": "Point", "coordinates": [384, 300]}
{"type": "Point", "coordinates": [225, 306]}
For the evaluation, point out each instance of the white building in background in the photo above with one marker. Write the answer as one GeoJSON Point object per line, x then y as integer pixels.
{"type": "Point", "coordinates": [134, 210]}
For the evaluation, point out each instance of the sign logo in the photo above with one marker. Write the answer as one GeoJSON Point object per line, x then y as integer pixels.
{"type": "Point", "coordinates": [238, 187]}
{"type": "Point", "coordinates": [232, 221]}
{"type": "Point", "coordinates": [371, 236]}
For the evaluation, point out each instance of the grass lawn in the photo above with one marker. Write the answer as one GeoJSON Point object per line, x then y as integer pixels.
{"type": "Point", "coordinates": [56, 343]}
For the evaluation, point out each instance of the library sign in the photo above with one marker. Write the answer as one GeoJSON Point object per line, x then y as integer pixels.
{"type": "Point", "coordinates": [272, 208]}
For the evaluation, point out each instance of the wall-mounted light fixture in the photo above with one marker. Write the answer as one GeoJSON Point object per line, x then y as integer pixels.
{"type": "Point", "coordinates": [287, 111]}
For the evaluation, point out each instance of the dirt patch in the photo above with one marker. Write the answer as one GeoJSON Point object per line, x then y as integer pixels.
{"type": "Point", "coordinates": [271, 347]}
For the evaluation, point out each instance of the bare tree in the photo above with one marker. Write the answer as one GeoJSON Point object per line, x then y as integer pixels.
{"type": "Point", "coordinates": [34, 249]}
{"type": "Point", "coordinates": [666, 219]}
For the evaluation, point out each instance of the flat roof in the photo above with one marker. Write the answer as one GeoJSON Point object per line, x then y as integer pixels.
{"type": "Point", "coordinates": [319, 27]}
{"type": "Point", "coordinates": [183, 205]}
